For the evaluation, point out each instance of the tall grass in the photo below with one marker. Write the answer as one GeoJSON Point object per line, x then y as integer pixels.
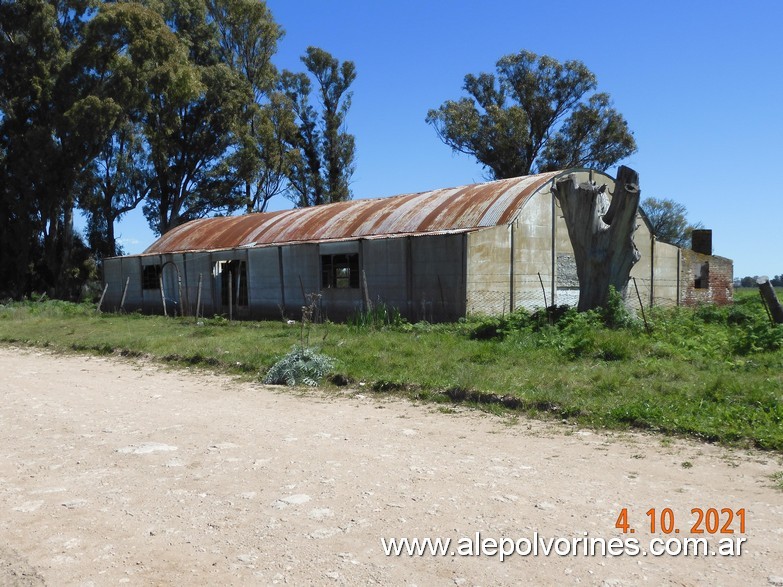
{"type": "Point", "coordinates": [711, 373]}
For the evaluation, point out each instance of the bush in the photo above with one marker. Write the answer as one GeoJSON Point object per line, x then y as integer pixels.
{"type": "Point", "coordinates": [616, 314]}
{"type": "Point", "coordinates": [497, 327]}
{"type": "Point", "coordinates": [758, 337]}
{"type": "Point", "coordinates": [302, 365]}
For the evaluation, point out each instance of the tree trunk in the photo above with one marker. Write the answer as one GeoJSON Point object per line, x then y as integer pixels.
{"type": "Point", "coordinates": [601, 233]}
{"type": "Point", "coordinates": [768, 294]}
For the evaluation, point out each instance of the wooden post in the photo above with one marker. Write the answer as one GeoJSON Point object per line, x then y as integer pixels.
{"type": "Point", "coordinates": [100, 302]}
{"type": "Point", "coordinates": [301, 285]}
{"type": "Point", "coordinates": [230, 295]}
{"type": "Point", "coordinates": [641, 306]}
{"type": "Point", "coordinates": [124, 294]}
{"type": "Point", "coordinates": [179, 292]}
{"type": "Point", "coordinates": [198, 297]}
{"type": "Point", "coordinates": [543, 289]}
{"type": "Point", "coordinates": [162, 295]}
{"type": "Point", "coordinates": [367, 303]}
{"type": "Point", "coordinates": [770, 299]}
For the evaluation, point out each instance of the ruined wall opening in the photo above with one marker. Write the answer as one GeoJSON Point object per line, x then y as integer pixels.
{"type": "Point", "coordinates": [701, 273]}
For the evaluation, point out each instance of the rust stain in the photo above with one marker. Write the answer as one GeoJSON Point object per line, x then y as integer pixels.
{"type": "Point", "coordinates": [462, 208]}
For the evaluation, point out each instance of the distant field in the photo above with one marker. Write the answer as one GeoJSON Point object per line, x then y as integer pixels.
{"type": "Point", "coordinates": [711, 373]}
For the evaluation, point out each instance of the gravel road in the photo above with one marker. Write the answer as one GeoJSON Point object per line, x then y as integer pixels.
{"type": "Point", "coordinates": [115, 471]}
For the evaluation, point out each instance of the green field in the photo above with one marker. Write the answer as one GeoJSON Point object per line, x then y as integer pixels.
{"type": "Point", "coordinates": [710, 373]}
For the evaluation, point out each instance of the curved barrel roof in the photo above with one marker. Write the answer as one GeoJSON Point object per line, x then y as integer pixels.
{"type": "Point", "coordinates": [451, 209]}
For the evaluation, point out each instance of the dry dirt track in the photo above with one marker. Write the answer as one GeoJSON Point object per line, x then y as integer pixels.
{"type": "Point", "coordinates": [122, 472]}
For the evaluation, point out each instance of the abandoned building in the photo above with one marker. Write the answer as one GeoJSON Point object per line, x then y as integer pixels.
{"type": "Point", "coordinates": [486, 248]}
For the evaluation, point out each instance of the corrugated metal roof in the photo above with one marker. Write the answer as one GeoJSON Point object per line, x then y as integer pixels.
{"type": "Point", "coordinates": [452, 209]}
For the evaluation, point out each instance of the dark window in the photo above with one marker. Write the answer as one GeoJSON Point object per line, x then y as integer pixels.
{"type": "Point", "coordinates": [150, 277]}
{"type": "Point", "coordinates": [235, 273]}
{"type": "Point", "coordinates": [701, 274]}
{"type": "Point", "coordinates": [340, 271]}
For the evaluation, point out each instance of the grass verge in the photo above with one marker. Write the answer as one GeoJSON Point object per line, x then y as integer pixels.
{"type": "Point", "coordinates": [711, 373]}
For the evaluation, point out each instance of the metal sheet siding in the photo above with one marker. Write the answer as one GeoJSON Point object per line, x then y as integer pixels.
{"type": "Point", "coordinates": [443, 210]}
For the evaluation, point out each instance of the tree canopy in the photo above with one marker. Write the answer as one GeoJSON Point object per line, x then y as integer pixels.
{"type": "Point", "coordinates": [173, 105]}
{"type": "Point", "coordinates": [669, 221]}
{"type": "Point", "coordinates": [322, 156]}
{"type": "Point", "coordinates": [535, 114]}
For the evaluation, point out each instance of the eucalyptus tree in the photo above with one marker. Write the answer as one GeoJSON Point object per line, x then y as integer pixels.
{"type": "Point", "coordinates": [248, 36]}
{"type": "Point", "coordinates": [192, 133]}
{"type": "Point", "coordinates": [322, 157]}
{"type": "Point", "coordinates": [117, 181]}
{"type": "Point", "coordinates": [535, 114]}
{"type": "Point", "coordinates": [71, 73]}
{"type": "Point", "coordinates": [669, 221]}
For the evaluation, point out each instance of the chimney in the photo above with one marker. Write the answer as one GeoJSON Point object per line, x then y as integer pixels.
{"type": "Point", "coordinates": [701, 241]}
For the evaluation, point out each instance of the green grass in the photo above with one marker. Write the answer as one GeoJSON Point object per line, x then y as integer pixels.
{"type": "Point", "coordinates": [709, 373]}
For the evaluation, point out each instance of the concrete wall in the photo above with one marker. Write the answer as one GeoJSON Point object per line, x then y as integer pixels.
{"type": "Point", "coordinates": [542, 255]}
{"type": "Point", "coordinates": [532, 235]}
{"type": "Point", "coordinates": [666, 284]}
{"type": "Point", "coordinates": [488, 275]}
{"type": "Point", "coordinates": [423, 277]}
{"type": "Point", "coordinates": [266, 294]}
{"type": "Point", "coordinates": [437, 277]}
{"type": "Point", "coordinates": [336, 303]}
{"type": "Point", "coordinates": [386, 267]}
{"type": "Point", "coordinates": [528, 263]}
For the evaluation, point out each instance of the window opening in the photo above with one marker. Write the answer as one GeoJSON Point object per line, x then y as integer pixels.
{"type": "Point", "coordinates": [150, 276]}
{"type": "Point", "coordinates": [340, 271]}
{"type": "Point", "coordinates": [235, 270]}
{"type": "Point", "coordinates": [702, 276]}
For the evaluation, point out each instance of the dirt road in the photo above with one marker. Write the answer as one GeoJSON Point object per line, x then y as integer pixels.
{"type": "Point", "coordinates": [113, 471]}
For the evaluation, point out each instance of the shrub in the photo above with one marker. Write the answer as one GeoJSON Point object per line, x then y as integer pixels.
{"type": "Point", "coordinates": [758, 337]}
{"type": "Point", "coordinates": [487, 328]}
{"type": "Point", "coordinates": [616, 314]}
{"type": "Point", "coordinates": [303, 365]}
{"type": "Point", "coordinates": [497, 327]}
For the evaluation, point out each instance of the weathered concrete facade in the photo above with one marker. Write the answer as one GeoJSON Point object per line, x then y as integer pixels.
{"type": "Point", "coordinates": [436, 256]}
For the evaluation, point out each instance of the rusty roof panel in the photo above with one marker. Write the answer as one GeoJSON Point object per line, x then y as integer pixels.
{"type": "Point", "coordinates": [453, 209]}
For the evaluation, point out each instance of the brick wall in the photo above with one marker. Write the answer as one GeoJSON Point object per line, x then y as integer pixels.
{"type": "Point", "coordinates": [705, 279]}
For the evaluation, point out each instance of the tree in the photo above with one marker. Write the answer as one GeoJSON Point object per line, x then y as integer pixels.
{"type": "Point", "coordinates": [748, 281]}
{"type": "Point", "coordinates": [669, 222]}
{"type": "Point", "coordinates": [193, 131]}
{"type": "Point", "coordinates": [117, 182]}
{"type": "Point", "coordinates": [535, 115]}
{"type": "Point", "coordinates": [248, 37]}
{"type": "Point", "coordinates": [69, 76]}
{"type": "Point", "coordinates": [322, 158]}
{"type": "Point", "coordinates": [601, 235]}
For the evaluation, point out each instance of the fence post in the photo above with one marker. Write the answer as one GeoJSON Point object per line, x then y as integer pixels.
{"type": "Point", "coordinates": [641, 305]}
{"type": "Point", "coordinates": [230, 296]}
{"type": "Point", "coordinates": [100, 302]}
{"type": "Point", "coordinates": [162, 295]}
{"type": "Point", "coordinates": [124, 294]}
{"type": "Point", "coordinates": [198, 297]}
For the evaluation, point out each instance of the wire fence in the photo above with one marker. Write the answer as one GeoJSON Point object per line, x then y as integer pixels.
{"type": "Point", "coordinates": [431, 297]}
{"type": "Point", "coordinates": [531, 292]}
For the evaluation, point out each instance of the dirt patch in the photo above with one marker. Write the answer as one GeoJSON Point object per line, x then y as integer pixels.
{"type": "Point", "coordinates": [121, 471]}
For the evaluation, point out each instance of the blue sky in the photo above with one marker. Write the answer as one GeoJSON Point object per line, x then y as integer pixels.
{"type": "Point", "coordinates": [700, 84]}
